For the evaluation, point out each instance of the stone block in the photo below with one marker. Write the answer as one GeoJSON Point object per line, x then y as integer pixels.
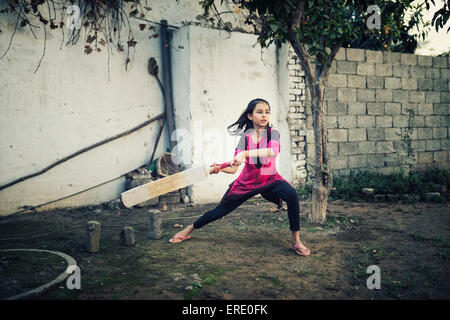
{"type": "Point", "coordinates": [400, 121]}
{"type": "Point", "coordinates": [392, 134]}
{"type": "Point", "coordinates": [392, 83]}
{"type": "Point", "coordinates": [425, 108]}
{"type": "Point", "coordinates": [337, 108]}
{"type": "Point", "coordinates": [374, 82]}
{"type": "Point", "coordinates": [425, 133]}
{"type": "Point", "coordinates": [170, 198]}
{"type": "Point", "coordinates": [349, 148]}
{"type": "Point", "coordinates": [391, 57]}
{"type": "Point", "coordinates": [339, 163]}
{"type": "Point", "coordinates": [376, 134]}
{"type": "Point", "coordinates": [330, 94]}
{"type": "Point", "coordinates": [445, 121]}
{"type": "Point", "coordinates": [363, 121]}
{"type": "Point", "coordinates": [366, 95]}
{"type": "Point", "coordinates": [425, 61]}
{"type": "Point", "coordinates": [337, 135]}
{"type": "Point", "coordinates": [417, 72]}
{"type": "Point", "coordinates": [375, 108]}
{"type": "Point", "coordinates": [366, 147]}
{"type": "Point", "coordinates": [359, 161]}
{"type": "Point", "coordinates": [432, 73]}
{"type": "Point", "coordinates": [365, 69]}
{"type": "Point", "coordinates": [355, 108]}
{"type": "Point", "coordinates": [409, 83]}
{"type": "Point", "coordinates": [383, 70]}
{"type": "Point", "coordinates": [154, 224]}
{"type": "Point", "coordinates": [346, 122]}
{"type": "Point", "coordinates": [441, 108]}
{"type": "Point", "coordinates": [425, 84]}
{"type": "Point", "coordinates": [333, 148]}
{"type": "Point", "coordinates": [346, 94]}
{"type": "Point", "coordinates": [383, 95]}
{"type": "Point", "coordinates": [401, 71]}
{"type": "Point", "coordinates": [440, 85]}
{"type": "Point", "coordinates": [383, 121]}
{"type": "Point", "coordinates": [375, 160]}
{"type": "Point", "coordinates": [424, 157]}
{"type": "Point", "coordinates": [440, 156]}
{"type": "Point", "coordinates": [355, 54]}
{"type": "Point", "coordinates": [384, 147]}
{"type": "Point", "coordinates": [346, 67]}
{"type": "Point", "coordinates": [127, 236]}
{"type": "Point", "coordinates": [439, 62]}
{"type": "Point", "coordinates": [337, 80]}
{"type": "Point", "coordinates": [330, 122]}
{"type": "Point", "coordinates": [355, 81]}
{"type": "Point", "coordinates": [433, 121]}
{"type": "Point", "coordinates": [392, 108]}
{"type": "Point", "coordinates": [445, 97]}
{"type": "Point", "coordinates": [432, 97]}
{"type": "Point", "coordinates": [408, 59]}
{"type": "Point", "coordinates": [433, 145]}
{"type": "Point", "coordinates": [357, 134]}
{"type": "Point", "coordinates": [93, 233]}
{"type": "Point", "coordinates": [374, 56]}
{"type": "Point", "coordinates": [400, 96]}
{"type": "Point", "coordinates": [438, 133]}
{"type": "Point", "coordinates": [417, 96]}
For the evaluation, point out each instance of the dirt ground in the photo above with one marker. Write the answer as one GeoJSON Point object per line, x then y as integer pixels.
{"type": "Point", "coordinates": [241, 256]}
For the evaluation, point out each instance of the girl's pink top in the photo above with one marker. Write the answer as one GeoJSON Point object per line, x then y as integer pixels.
{"type": "Point", "coordinates": [257, 176]}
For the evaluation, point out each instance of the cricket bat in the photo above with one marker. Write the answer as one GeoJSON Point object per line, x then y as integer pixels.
{"type": "Point", "coordinates": [168, 184]}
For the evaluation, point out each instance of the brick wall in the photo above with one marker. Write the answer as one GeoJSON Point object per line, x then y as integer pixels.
{"type": "Point", "coordinates": [366, 100]}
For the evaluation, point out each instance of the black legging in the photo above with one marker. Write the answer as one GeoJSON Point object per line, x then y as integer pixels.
{"type": "Point", "coordinates": [281, 190]}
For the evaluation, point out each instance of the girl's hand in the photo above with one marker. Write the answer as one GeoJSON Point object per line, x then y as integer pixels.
{"type": "Point", "coordinates": [239, 158]}
{"type": "Point", "coordinates": [215, 169]}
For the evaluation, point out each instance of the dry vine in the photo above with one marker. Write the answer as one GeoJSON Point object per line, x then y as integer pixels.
{"type": "Point", "coordinates": [102, 20]}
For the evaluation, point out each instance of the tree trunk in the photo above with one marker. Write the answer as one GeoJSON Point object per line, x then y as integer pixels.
{"type": "Point", "coordinates": [323, 179]}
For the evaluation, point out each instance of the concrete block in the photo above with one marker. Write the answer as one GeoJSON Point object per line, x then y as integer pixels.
{"type": "Point", "coordinates": [392, 108]}
{"type": "Point", "coordinates": [337, 135]}
{"type": "Point", "coordinates": [420, 145]}
{"type": "Point", "coordinates": [425, 84]}
{"type": "Point", "coordinates": [346, 67]}
{"type": "Point", "coordinates": [441, 108]}
{"type": "Point", "coordinates": [445, 121]}
{"type": "Point", "coordinates": [438, 133]}
{"type": "Point", "coordinates": [400, 71]}
{"type": "Point", "coordinates": [339, 163]}
{"type": "Point", "coordinates": [337, 80]}
{"type": "Point", "coordinates": [392, 134]}
{"type": "Point", "coordinates": [408, 105]}
{"type": "Point", "coordinates": [366, 95]}
{"type": "Point", "coordinates": [346, 121]}
{"type": "Point", "coordinates": [337, 108]}
{"type": "Point", "coordinates": [376, 134]}
{"type": "Point", "coordinates": [408, 59]}
{"type": "Point", "coordinates": [355, 54]}
{"type": "Point", "coordinates": [433, 145]}
{"type": "Point", "coordinates": [365, 69]}
{"type": "Point", "coordinates": [127, 236]}
{"type": "Point", "coordinates": [93, 233]}
{"type": "Point", "coordinates": [374, 82]}
{"type": "Point", "coordinates": [383, 95]}
{"type": "Point", "coordinates": [359, 161]}
{"type": "Point", "coordinates": [440, 85]}
{"type": "Point", "coordinates": [154, 224]}
{"type": "Point", "coordinates": [375, 160]}
{"type": "Point", "coordinates": [392, 83]}
{"type": "Point", "coordinates": [349, 148]}
{"type": "Point", "coordinates": [355, 108]}
{"type": "Point", "coordinates": [363, 121]}
{"type": "Point", "coordinates": [357, 134]}
{"type": "Point", "coordinates": [355, 81]}
{"type": "Point", "coordinates": [400, 96]}
{"type": "Point", "coordinates": [330, 94]}
{"type": "Point", "coordinates": [330, 122]}
{"type": "Point", "coordinates": [346, 94]}
{"type": "Point", "coordinates": [445, 97]}
{"type": "Point", "coordinates": [383, 70]}
{"type": "Point", "coordinates": [440, 156]}
{"type": "Point", "coordinates": [391, 57]}
{"type": "Point", "coordinates": [383, 121]}
{"type": "Point", "coordinates": [375, 108]}
{"type": "Point", "coordinates": [432, 73]}
{"type": "Point", "coordinates": [366, 147]}
{"type": "Point", "coordinates": [384, 147]}
{"type": "Point", "coordinates": [425, 108]}
{"type": "Point", "coordinates": [417, 96]}
{"type": "Point", "coordinates": [400, 121]}
{"type": "Point", "coordinates": [419, 121]}
{"type": "Point", "coordinates": [432, 97]}
{"type": "Point", "coordinates": [409, 83]}
{"type": "Point", "coordinates": [333, 148]}
{"type": "Point", "coordinates": [417, 72]}
{"type": "Point", "coordinates": [374, 56]}
{"type": "Point", "coordinates": [433, 121]}
{"type": "Point", "coordinates": [424, 61]}
{"type": "Point", "coordinates": [424, 157]}
{"type": "Point", "coordinates": [439, 62]}
{"type": "Point", "coordinates": [424, 133]}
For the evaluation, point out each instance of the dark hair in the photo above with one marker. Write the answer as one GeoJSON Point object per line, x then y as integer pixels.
{"type": "Point", "coordinates": [244, 123]}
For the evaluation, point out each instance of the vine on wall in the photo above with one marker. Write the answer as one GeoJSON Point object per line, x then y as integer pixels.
{"type": "Point", "coordinates": [102, 20]}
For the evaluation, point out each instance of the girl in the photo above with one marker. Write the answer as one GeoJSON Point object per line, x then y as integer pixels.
{"type": "Point", "coordinates": [258, 147]}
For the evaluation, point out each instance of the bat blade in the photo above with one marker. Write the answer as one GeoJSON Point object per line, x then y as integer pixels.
{"type": "Point", "coordinates": [165, 185]}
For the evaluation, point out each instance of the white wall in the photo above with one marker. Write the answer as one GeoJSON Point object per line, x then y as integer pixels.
{"type": "Point", "coordinates": [215, 76]}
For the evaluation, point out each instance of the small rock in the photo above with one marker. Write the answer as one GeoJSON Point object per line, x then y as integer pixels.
{"type": "Point", "coordinates": [368, 191]}
{"type": "Point", "coordinates": [176, 225]}
{"type": "Point", "coordinates": [185, 199]}
{"type": "Point", "coordinates": [190, 204]}
{"type": "Point", "coordinates": [177, 276]}
{"type": "Point", "coordinates": [97, 210]}
{"type": "Point", "coordinates": [189, 288]}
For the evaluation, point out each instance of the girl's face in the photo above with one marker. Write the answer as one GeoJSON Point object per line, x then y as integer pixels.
{"type": "Point", "coordinates": [260, 116]}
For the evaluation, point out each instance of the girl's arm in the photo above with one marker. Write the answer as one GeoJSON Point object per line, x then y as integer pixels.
{"type": "Point", "coordinates": [230, 170]}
